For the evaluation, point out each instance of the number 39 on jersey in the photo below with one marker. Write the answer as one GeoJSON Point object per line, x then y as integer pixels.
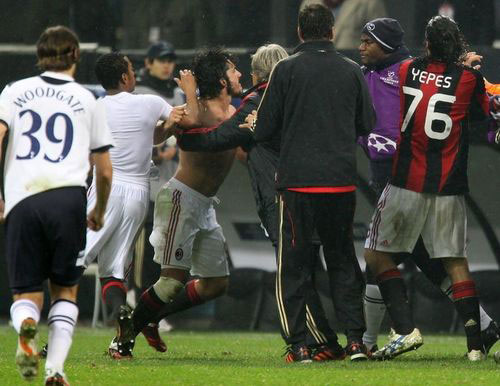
{"type": "Point", "coordinates": [57, 131]}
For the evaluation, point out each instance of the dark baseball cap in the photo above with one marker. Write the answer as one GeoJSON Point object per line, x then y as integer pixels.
{"type": "Point", "coordinates": [161, 49]}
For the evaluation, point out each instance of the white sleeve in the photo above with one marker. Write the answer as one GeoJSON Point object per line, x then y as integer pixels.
{"type": "Point", "coordinates": [100, 135]}
{"type": "Point", "coordinates": [6, 110]}
{"type": "Point", "coordinates": [160, 107]}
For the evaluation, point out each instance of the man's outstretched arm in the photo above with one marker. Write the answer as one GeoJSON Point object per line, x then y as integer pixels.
{"type": "Point", "coordinates": [227, 135]}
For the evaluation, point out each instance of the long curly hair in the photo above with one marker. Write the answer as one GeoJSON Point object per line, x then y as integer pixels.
{"type": "Point", "coordinates": [445, 42]}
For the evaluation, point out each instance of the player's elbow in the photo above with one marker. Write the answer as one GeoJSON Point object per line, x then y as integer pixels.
{"type": "Point", "coordinates": [105, 173]}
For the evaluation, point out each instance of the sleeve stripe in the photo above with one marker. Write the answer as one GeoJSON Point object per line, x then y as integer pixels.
{"type": "Point", "coordinates": [101, 149]}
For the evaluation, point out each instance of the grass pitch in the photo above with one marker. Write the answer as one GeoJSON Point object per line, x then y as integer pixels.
{"type": "Point", "coordinates": [240, 358]}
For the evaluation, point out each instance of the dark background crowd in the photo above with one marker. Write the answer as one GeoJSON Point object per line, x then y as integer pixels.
{"type": "Point", "coordinates": [244, 23]}
{"type": "Point", "coordinates": [131, 26]}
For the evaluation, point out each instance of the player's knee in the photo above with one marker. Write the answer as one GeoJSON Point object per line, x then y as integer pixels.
{"type": "Point", "coordinates": [166, 288]}
{"type": "Point", "coordinates": [213, 287]}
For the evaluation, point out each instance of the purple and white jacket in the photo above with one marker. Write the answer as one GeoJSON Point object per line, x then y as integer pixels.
{"type": "Point", "coordinates": [383, 84]}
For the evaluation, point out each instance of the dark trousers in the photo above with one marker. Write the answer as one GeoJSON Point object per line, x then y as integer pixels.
{"type": "Point", "coordinates": [331, 215]}
{"type": "Point", "coordinates": [318, 330]}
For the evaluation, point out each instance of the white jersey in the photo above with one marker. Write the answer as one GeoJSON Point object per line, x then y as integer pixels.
{"type": "Point", "coordinates": [132, 120]}
{"type": "Point", "coordinates": [53, 123]}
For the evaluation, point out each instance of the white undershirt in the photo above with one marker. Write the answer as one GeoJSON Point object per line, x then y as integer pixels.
{"type": "Point", "coordinates": [132, 120]}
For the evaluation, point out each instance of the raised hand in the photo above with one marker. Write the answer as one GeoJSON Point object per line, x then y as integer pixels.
{"type": "Point", "coordinates": [186, 82]}
{"type": "Point", "coordinates": [175, 116]}
{"type": "Point", "coordinates": [472, 57]}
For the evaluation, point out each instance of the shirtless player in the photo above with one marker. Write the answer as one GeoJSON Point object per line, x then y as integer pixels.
{"type": "Point", "coordinates": [186, 236]}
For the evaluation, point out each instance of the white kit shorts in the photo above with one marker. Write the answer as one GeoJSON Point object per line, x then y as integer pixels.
{"type": "Point", "coordinates": [113, 244]}
{"type": "Point", "coordinates": [402, 215]}
{"type": "Point", "coordinates": [186, 234]}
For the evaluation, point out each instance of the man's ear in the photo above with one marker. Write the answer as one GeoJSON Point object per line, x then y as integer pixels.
{"type": "Point", "coordinates": [223, 82]}
{"type": "Point", "coordinates": [124, 78]}
{"type": "Point", "coordinates": [75, 55]}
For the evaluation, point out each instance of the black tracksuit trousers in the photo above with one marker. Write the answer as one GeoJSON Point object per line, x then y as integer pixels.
{"type": "Point", "coordinates": [331, 215]}
{"type": "Point", "coordinates": [318, 330]}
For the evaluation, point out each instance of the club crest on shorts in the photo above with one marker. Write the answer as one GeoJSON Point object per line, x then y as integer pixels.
{"type": "Point", "coordinates": [179, 253]}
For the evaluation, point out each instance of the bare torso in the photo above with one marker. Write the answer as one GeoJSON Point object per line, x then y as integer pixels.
{"type": "Point", "coordinates": [203, 171]}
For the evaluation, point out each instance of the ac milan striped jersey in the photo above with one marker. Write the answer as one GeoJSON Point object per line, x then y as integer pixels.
{"type": "Point", "coordinates": [438, 101]}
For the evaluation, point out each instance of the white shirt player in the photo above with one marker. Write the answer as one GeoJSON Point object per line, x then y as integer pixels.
{"type": "Point", "coordinates": [53, 123]}
{"type": "Point", "coordinates": [132, 120]}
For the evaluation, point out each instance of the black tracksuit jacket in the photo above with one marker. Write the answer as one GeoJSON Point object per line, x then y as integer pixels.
{"type": "Point", "coordinates": [315, 106]}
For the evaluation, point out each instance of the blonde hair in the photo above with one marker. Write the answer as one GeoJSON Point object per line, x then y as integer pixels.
{"type": "Point", "coordinates": [265, 58]}
{"type": "Point", "coordinates": [57, 49]}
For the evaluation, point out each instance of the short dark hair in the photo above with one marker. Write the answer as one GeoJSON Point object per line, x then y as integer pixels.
{"type": "Point", "coordinates": [57, 49]}
{"type": "Point", "coordinates": [316, 22]}
{"type": "Point", "coordinates": [209, 68]}
{"type": "Point", "coordinates": [445, 41]}
{"type": "Point", "coordinates": [109, 69]}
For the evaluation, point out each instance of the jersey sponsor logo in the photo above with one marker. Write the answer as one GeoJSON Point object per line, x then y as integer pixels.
{"type": "Point", "coordinates": [425, 77]}
{"type": "Point", "coordinates": [179, 253]}
{"type": "Point", "coordinates": [49, 92]}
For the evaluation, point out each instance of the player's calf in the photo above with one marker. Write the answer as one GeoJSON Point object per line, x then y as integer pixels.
{"type": "Point", "coordinates": [114, 295]}
{"type": "Point", "coordinates": [153, 300]}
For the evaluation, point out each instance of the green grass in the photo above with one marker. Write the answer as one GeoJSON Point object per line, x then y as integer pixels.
{"type": "Point", "coordinates": [240, 358]}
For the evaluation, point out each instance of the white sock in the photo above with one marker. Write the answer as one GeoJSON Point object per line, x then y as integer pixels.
{"type": "Point", "coordinates": [22, 309]}
{"type": "Point", "coordinates": [374, 314]}
{"type": "Point", "coordinates": [485, 318]}
{"type": "Point", "coordinates": [61, 320]}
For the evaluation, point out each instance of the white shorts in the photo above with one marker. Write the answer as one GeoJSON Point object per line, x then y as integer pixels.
{"type": "Point", "coordinates": [113, 244]}
{"type": "Point", "coordinates": [402, 216]}
{"type": "Point", "coordinates": [186, 234]}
